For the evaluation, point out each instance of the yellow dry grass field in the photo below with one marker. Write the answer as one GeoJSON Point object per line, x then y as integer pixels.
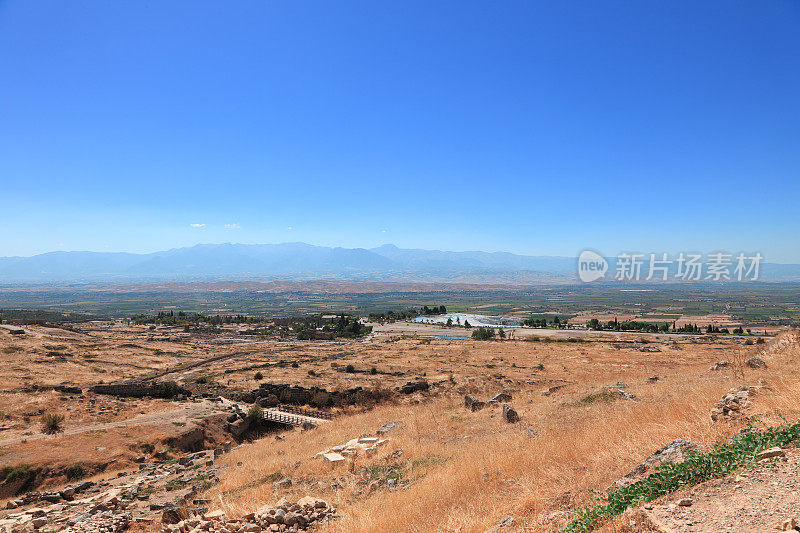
{"type": "Point", "coordinates": [467, 470]}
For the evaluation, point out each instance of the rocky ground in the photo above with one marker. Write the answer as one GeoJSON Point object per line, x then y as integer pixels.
{"type": "Point", "coordinates": [759, 499]}
{"type": "Point", "coordinates": [139, 497]}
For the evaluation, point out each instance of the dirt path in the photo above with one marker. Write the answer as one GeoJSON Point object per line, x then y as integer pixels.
{"type": "Point", "coordinates": [34, 333]}
{"type": "Point", "coordinates": [753, 500]}
{"type": "Point", "coordinates": [182, 413]}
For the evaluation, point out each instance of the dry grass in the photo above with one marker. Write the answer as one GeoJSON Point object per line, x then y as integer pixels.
{"type": "Point", "coordinates": [492, 469]}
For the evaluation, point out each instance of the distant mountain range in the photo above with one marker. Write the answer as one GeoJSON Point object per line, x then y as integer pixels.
{"type": "Point", "coordinates": [304, 261]}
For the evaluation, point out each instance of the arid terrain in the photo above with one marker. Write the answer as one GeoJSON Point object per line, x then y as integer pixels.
{"type": "Point", "coordinates": [588, 408]}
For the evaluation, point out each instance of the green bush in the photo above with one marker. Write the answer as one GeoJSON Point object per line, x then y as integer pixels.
{"type": "Point", "coordinates": [259, 376]}
{"type": "Point", "coordinates": [350, 369]}
{"type": "Point", "coordinates": [76, 471]}
{"type": "Point", "coordinates": [256, 412]}
{"type": "Point", "coordinates": [17, 472]}
{"type": "Point", "coordinates": [170, 389]}
{"type": "Point", "coordinates": [483, 333]}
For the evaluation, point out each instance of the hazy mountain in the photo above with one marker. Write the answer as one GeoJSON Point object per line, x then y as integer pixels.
{"type": "Point", "coordinates": [302, 261]}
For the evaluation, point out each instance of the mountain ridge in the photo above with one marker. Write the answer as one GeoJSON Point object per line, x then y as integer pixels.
{"type": "Point", "coordinates": [298, 260]}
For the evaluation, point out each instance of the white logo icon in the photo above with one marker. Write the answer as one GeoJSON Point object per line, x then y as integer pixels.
{"type": "Point", "coordinates": [591, 266]}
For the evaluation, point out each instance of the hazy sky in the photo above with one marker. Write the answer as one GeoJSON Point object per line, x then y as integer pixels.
{"type": "Point", "coordinates": [534, 127]}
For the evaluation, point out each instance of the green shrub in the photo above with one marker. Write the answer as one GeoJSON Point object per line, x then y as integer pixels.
{"type": "Point", "coordinates": [259, 376]}
{"type": "Point", "coordinates": [256, 412]}
{"type": "Point", "coordinates": [350, 369]}
{"type": "Point", "coordinates": [170, 389]}
{"type": "Point", "coordinates": [17, 472]}
{"type": "Point", "coordinates": [76, 471]}
{"type": "Point", "coordinates": [483, 334]}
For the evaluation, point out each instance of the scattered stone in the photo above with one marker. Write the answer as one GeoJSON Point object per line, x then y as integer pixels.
{"type": "Point", "coordinates": [770, 453]}
{"type": "Point", "coordinates": [472, 403]}
{"type": "Point", "coordinates": [626, 395]}
{"type": "Point", "coordinates": [333, 457]}
{"type": "Point", "coordinates": [501, 397]}
{"type": "Point", "coordinates": [676, 451]}
{"type": "Point", "coordinates": [790, 524]}
{"type": "Point", "coordinates": [507, 521]}
{"type": "Point", "coordinates": [755, 362]}
{"type": "Point", "coordinates": [414, 386]}
{"type": "Point", "coordinates": [653, 379]}
{"type": "Point", "coordinates": [387, 427]}
{"type": "Point", "coordinates": [509, 414]}
{"type": "Point", "coordinates": [171, 515]}
{"type": "Point", "coordinates": [685, 502]}
{"type": "Point", "coordinates": [720, 364]}
{"type": "Point", "coordinates": [284, 483]}
{"type": "Point", "coordinates": [552, 389]}
{"type": "Point", "coordinates": [733, 404]}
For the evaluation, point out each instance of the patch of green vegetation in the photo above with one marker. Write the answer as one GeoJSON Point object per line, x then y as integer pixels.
{"type": "Point", "coordinates": [256, 412]}
{"type": "Point", "coordinates": [179, 424]}
{"type": "Point", "coordinates": [76, 471]}
{"type": "Point", "coordinates": [722, 460]}
{"type": "Point", "coordinates": [423, 463]}
{"type": "Point", "coordinates": [170, 389]}
{"type": "Point", "coordinates": [15, 473]}
{"type": "Point", "coordinates": [483, 334]}
{"type": "Point", "coordinates": [176, 484]}
{"type": "Point", "coordinates": [384, 472]}
{"type": "Point", "coordinates": [269, 478]}
{"type": "Point", "coordinates": [604, 396]}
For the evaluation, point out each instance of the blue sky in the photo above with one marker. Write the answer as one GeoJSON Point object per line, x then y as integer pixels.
{"type": "Point", "coordinates": [535, 127]}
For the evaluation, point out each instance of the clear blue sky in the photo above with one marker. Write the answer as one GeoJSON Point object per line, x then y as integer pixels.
{"type": "Point", "coordinates": [534, 127]}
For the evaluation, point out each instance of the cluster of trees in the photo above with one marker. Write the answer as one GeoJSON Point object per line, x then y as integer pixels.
{"type": "Point", "coordinates": [450, 322]}
{"type": "Point", "coordinates": [407, 314]}
{"type": "Point", "coordinates": [542, 322]}
{"type": "Point", "coordinates": [349, 327]}
{"type": "Point", "coordinates": [628, 325]}
{"type": "Point", "coordinates": [717, 329]}
{"type": "Point", "coordinates": [485, 333]}
{"type": "Point", "coordinates": [391, 316]}
{"type": "Point", "coordinates": [653, 327]}
{"type": "Point", "coordinates": [170, 318]}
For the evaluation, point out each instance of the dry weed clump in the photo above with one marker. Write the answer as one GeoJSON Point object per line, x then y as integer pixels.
{"type": "Point", "coordinates": [51, 422]}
